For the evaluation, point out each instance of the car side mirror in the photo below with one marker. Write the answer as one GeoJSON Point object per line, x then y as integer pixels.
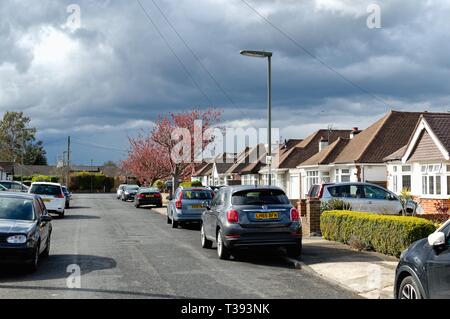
{"type": "Point", "coordinates": [46, 218]}
{"type": "Point", "coordinates": [436, 239]}
{"type": "Point", "coordinates": [206, 205]}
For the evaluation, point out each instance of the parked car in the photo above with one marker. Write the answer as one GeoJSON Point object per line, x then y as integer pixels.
{"type": "Point", "coordinates": [251, 216]}
{"type": "Point", "coordinates": [25, 229]}
{"type": "Point", "coordinates": [216, 189]}
{"type": "Point", "coordinates": [363, 197]}
{"type": "Point", "coordinates": [148, 196]}
{"type": "Point", "coordinates": [120, 191]}
{"type": "Point", "coordinates": [52, 195]}
{"type": "Point", "coordinates": [68, 196]}
{"type": "Point", "coordinates": [187, 205]}
{"type": "Point", "coordinates": [129, 192]}
{"type": "Point", "coordinates": [424, 268]}
{"type": "Point", "coordinates": [14, 186]}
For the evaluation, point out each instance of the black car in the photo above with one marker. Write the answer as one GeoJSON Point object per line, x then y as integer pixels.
{"type": "Point", "coordinates": [424, 268]}
{"type": "Point", "coordinates": [251, 216]}
{"type": "Point", "coordinates": [148, 196]}
{"type": "Point", "coordinates": [25, 229]}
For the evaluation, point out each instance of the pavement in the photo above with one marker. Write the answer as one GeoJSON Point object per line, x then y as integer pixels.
{"type": "Point", "coordinates": [106, 248]}
{"type": "Point", "coordinates": [368, 274]}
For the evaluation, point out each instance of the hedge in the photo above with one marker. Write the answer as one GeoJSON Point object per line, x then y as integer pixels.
{"type": "Point", "coordinates": [388, 235]}
{"type": "Point", "coordinates": [82, 182]}
{"type": "Point", "coordinates": [191, 184]}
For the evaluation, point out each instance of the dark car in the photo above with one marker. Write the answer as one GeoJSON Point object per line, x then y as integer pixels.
{"type": "Point", "coordinates": [67, 195]}
{"type": "Point", "coordinates": [129, 192]}
{"type": "Point", "coordinates": [25, 229]}
{"type": "Point", "coordinates": [251, 216]}
{"type": "Point", "coordinates": [424, 268]}
{"type": "Point", "coordinates": [148, 196]}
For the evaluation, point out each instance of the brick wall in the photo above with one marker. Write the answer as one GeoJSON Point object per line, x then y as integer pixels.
{"type": "Point", "coordinates": [428, 204]}
{"type": "Point", "coordinates": [310, 215]}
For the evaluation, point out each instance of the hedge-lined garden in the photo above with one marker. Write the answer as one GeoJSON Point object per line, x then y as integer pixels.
{"type": "Point", "coordinates": [384, 234]}
{"type": "Point", "coordinates": [81, 182]}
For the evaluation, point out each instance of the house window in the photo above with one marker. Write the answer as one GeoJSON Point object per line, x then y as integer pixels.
{"type": "Point", "coordinates": [395, 183]}
{"type": "Point", "coordinates": [448, 185]}
{"type": "Point", "coordinates": [312, 178]}
{"type": "Point", "coordinates": [343, 175]}
{"type": "Point", "coordinates": [432, 179]}
{"type": "Point", "coordinates": [394, 168]}
{"type": "Point", "coordinates": [406, 182]}
{"type": "Point", "coordinates": [406, 169]}
{"type": "Point", "coordinates": [326, 177]}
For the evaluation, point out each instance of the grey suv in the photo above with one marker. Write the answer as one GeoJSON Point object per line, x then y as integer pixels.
{"type": "Point", "coordinates": [251, 216]}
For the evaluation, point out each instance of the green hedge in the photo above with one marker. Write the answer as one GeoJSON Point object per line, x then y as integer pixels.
{"type": "Point", "coordinates": [82, 182]}
{"type": "Point", "coordinates": [385, 234]}
{"type": "Point", "coordinates": [191, 184]}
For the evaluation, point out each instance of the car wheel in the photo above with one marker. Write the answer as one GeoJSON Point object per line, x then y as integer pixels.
{"type": "Point", "coordinates": [46, 252]}
{"type": "Point", "coordinates": [206, 243]}
{"type": "Point", "coordinates": [169, 221]}
{"type": "Point", "coordinates": [174, 223]}
{"type": "Point", "coordinates": [33, 265]}
{"type": "Point", "coordinates": [137, 206]}
{"type": "Point", "coordinates": [409, 289]}
{"type": "Point", "coordinates": [294, 251]}
{"type": "Point", "coordinates": [222, 251]}
{"type": "Point", "coordinates": [61, 215]}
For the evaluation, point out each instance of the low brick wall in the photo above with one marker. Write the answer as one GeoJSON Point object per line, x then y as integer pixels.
{"type": "Point", "coordinates": [429, 205]}
{"type": "Point", "coordinates": [310, 216]}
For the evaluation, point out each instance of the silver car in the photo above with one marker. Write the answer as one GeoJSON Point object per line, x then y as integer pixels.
{"type": "Point", "coordinates": [363, 197]}
{"type": "Point", "coordinates": [187, 205]}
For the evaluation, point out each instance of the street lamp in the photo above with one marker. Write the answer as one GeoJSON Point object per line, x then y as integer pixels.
{"type": "Point", "coordinates": [268, 55]}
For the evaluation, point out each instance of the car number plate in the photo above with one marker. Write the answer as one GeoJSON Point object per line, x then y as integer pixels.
{"type": "Point", "coordinates": [47, 200]}
{"type": "Point", "coordinates": [267, 215]}
{"type": "Point", "coordinates": [196, 206]}
{"type": "Point", "coordinates": [150, 196]}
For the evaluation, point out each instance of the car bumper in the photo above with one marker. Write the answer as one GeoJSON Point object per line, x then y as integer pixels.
{"type": "Point", "coordinates": [13, 255]}
{"type": "Point", "coordinates": [188, 218]}
{"type": "Point", "coordinates": [56, 206]}
{"type": "Point", "coordinates": [149, 201]}
{"type": "Point", "coordinates": [254, 237]}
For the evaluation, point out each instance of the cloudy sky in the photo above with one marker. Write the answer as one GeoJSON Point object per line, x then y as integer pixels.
{"type": "Point", "coordinates": [112, 76]}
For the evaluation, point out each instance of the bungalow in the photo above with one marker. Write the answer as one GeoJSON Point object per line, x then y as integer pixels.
{"type": "Point", "coordinates": [203, 173]}
{"type": "Point", "coordinates": [422, 165]}
{"type": "Point", "coordinates": [221, 165]}
{"type": "Point", "coordinates": [360, 157]}
{"type": "Point", "coordinates": [289, 155]}
{"type": "Point", "coordinates": [250, 167]}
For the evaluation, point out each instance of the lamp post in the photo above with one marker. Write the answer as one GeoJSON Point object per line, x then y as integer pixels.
{"type": "Point", "coordinates": [268, 55]}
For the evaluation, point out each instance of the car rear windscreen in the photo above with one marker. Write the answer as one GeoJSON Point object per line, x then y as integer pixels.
{"type": "Point", "coordinates": [260, 197]}
{"type": "Point", "coordinates": [16, 209]}
{"type": "Point", "coordinates": [197, 194]}
{"type": "Point", "coordinates": [49, 190]}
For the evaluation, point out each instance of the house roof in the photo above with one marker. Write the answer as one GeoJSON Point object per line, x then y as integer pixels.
{"type": "Point", "coordinates": [242, 161]}
{"type": "Point", "coordinates": [256, 159]}
{"type": "Point", "coordinates": [205, 170]}
{"type": "Point", "coordinates": [440, 124]}
{"type": "Point", "coordinates": [224, 161]}
{"type": "Point", "coordinates": [307, 148]}
{"type": "Point", "coordinates": [381, 139]}
{"type": "Point", "coordinates": [328, 154]}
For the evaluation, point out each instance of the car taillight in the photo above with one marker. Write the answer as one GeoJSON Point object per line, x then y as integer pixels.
{"type": "Point", "coordinates": [140, 196]}
{"type": "Point", "coordinates": [179, 202]}
{"type": "Point", "coordinates": [233, 216]}
{"type": "Point", "coordinates": [60, 196]}
{"type": "Point", "coordinates": [158, 195]}
{"type": "Point", "coordinates": [295, 216]}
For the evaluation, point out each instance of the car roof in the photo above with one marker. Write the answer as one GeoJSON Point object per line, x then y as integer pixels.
{"type": "Point", "coordinates": [193, 188]}
{"type": "Point", "coordinates": [46, 183]}
{"type": "Point", "coordinates": [351, 183]}
{"type": "Point", "coordinates": [237, 188]}
{"type": "Point", "coordinates": [18, 195]}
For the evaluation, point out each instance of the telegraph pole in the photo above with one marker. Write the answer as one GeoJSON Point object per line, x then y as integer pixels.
{"type": "Point", "coordinates": [68, 162]}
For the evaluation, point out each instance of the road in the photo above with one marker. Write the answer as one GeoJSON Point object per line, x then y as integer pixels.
{"type": "Point", "coordinates": [124, 252]}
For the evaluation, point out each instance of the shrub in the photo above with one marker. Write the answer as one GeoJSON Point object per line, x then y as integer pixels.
{"type": "Point", "coordinates": [385, 234]}
{"type": "Point", "coordinates": [44, 178]}
{"type": "Point", "coordinates": [335, 204]}
{"type": "Point", "coordinates": [191, 184]}
{"type": "Point", "coordinates": [159, 184]}
{"type": "Point", "coordinates": [82, 182]}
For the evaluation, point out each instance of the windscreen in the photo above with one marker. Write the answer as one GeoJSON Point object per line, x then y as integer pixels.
{"type": "Point", "coordinates": [49, 190]}
{"type": "Point", "coordinates": [16, 209]}
{"type": "Point", "coordinates": [260, 197]}
{"type": "Point", "coordinates": [197, 194]}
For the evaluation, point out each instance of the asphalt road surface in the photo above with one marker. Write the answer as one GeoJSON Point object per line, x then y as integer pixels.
{"type": "Point", "coordinates": [124, 252]}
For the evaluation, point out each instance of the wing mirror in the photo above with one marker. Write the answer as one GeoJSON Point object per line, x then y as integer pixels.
{"type": "Point", "coordinates": [206, 205]}
{"type": "Point", "coordinates": [169, 197]}
{"type": "Point", "coordinates": [436, 239]}
{"type": "Point", "coordinates": [46, 218]}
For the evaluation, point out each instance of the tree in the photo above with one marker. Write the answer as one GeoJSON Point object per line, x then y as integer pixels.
{"type": "Point", "coordinates": [110, 164]}
{"type": "Point", "coordinates": [162, 135]}
{"type": "Point", "coordinates": [146, 160]}
{"type": "Point", "coordinates": [18, 140]}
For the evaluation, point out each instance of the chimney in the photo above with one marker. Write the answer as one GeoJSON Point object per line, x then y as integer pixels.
{"type": "Point", "coordinates": [354, 132]}
{"type": "Point", "coordinates": [323, 143]}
